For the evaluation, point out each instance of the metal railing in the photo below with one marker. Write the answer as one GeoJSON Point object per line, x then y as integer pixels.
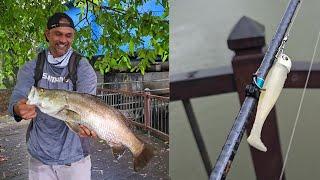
{"type": "Point", "coordinates": [149, 112]}
{"type": "Point", "coordinates": [139, 85]}
{"type": "Point", "coordinates": [216, 81]}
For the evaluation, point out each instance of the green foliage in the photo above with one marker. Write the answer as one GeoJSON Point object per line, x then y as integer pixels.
{"type": "Point", "coordinates": [23, 22]}
{"type": "Point", "coordinates": [22, 26]}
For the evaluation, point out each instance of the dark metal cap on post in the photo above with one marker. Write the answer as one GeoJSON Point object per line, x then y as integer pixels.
{"type": "Point", "coordinates": [246, 35]}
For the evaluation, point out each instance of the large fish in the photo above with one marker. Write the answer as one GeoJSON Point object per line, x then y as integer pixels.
{"type": "Point", "coordinates": [107, 122]}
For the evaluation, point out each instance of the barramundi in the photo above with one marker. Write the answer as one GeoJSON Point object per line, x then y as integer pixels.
{"type": "Point", "coordinates": [84, 109]}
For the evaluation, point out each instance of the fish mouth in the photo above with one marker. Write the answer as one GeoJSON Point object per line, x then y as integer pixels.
{"type": "Point", "coordinates": [33, 96]}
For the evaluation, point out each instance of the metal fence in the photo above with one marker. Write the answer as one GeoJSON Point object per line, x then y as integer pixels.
{"type": "Point", "coordinates": [139, 86]}
{"type": "Point", "coordinates": [149, 112]}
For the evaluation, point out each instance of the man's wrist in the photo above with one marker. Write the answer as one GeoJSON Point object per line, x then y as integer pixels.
{"type": "Point", "coordinates": [15, 115]}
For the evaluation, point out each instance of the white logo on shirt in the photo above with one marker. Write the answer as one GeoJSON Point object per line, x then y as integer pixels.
{"type": "Point", "coordinates": [52, 78]}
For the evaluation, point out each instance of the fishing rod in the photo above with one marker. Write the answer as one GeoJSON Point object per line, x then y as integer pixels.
{"type": "Point", "coordinates": [231, 145]}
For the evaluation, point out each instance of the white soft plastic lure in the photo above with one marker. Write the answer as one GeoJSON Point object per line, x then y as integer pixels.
{"type": "Point", "coordinates": [272, 87]}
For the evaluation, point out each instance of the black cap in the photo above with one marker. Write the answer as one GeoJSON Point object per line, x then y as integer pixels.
{"type": "Point", "coordinates": [54, 21]}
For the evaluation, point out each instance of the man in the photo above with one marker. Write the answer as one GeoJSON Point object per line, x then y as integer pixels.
{"type": "Point", "coordinates": [56, 151]}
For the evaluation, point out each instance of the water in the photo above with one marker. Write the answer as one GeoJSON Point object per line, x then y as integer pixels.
{"type": "Point", "coordinates": [199, 30]}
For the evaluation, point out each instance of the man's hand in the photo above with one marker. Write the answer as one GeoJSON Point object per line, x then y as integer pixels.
{"type": "Point", "coordinates": [24, 110]}
{"type": "Point", "coordinates": [85, 132]}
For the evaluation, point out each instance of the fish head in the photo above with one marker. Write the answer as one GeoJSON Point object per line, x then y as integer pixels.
{"type": "Point", "coordinates": [47, 100]}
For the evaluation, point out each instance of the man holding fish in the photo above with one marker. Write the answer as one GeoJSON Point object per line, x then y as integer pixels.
{"type": "Point", "coordinates": [55, 92]}
{"type": "Point", "coordinates": [56, 151]}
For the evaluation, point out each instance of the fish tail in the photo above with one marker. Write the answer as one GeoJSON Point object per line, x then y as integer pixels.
{"type": "Point", "coordinates": [141, 160]}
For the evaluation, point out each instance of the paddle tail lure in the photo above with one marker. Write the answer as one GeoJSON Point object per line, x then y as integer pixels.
{"type": "Point", "coordinates": [271, 90]}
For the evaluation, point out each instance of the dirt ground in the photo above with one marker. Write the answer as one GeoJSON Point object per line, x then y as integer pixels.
{"type": "Point", "coordinates": [4, 100]}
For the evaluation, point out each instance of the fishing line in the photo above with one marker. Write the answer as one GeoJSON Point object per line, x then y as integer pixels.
{"type": "Point", "coordinates": [300, 105]}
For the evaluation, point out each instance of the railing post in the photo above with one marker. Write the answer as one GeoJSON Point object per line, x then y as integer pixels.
{"type": "Point", "coordinates": [247, 40]}
{"type": "Point", "coordinates": [147, 109]}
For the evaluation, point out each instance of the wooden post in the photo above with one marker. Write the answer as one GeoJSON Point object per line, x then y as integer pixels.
{"type": "Point", "coordinates": [247, 40]}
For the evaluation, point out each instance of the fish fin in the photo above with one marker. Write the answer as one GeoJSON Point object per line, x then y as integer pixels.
{"type": "Point", "coordinates": [141, 160]}
{"type": "Point", "coordinates": [72, 118]}
{"type": "Point", "coordinates": [68, 115]}
{"type": "Point", "coordinates": [118, 151]}
{"type": "Point", "coordinates": [73, 126]}
{"type": "Point", "coordinates": [72, 115]}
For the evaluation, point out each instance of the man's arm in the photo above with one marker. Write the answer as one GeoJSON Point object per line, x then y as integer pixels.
{"type": "Point", "coordinates": [87, 78]}
{"type": "Point", "coordinates": [17, 104]}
